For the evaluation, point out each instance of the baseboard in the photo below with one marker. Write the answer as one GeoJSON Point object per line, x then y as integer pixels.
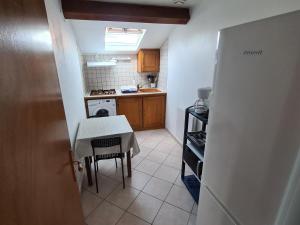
{"type": "Point", "coordinates": [176, 139]}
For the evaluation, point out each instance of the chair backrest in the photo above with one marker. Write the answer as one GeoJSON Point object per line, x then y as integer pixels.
{"type": "Point", "coordinates": [106, 142]}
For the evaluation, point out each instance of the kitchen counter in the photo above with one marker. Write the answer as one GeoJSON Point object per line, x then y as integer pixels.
{"type": "Point", "coordinates": [119, 94]}
{"type": "Point", "coordinates": [144, 109]}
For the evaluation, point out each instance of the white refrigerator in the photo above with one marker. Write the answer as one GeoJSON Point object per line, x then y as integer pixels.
{"type": "Point", "coordinates": [251, 173]}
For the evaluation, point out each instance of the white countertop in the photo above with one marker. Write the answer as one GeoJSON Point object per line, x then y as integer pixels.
{"type": "Point", "coordinates": [120, 94]}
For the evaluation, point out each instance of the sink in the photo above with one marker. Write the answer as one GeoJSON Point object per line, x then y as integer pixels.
{"type": "Point", "coordinates": [149, 90]}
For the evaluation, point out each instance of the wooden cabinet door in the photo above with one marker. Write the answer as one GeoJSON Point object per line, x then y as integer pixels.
{"type": "Point", "coordinates": [154, 112]}
{"type": "Point", "coordinates": [149, 61]}
{"type": "Point", "coordinates": [37, 177]}
{"type": "Point", "coordinates": [132, 108]}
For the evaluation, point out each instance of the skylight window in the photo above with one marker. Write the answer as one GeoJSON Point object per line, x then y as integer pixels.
{"type": "Point", "coordinates": [123, 39]}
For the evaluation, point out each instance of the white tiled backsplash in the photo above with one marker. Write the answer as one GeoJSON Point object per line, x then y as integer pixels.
{"type": "Point", "coordinates": [112, 77]}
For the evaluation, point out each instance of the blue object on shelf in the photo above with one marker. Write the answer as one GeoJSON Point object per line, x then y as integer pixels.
{"type": "Point", "coordinates": [193, 186]}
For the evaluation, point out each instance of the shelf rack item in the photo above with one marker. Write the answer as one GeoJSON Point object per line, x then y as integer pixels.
{"type": "Point", "coordinates": [193, 152]}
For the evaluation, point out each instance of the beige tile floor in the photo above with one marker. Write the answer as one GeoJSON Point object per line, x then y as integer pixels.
{"type": "Point", "coordinates": [153, 195]}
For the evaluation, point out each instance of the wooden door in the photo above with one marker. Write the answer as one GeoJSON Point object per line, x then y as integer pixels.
{"type": "Point", "coordinates": [154, 112]}
{"type": "Point", "coordinates": [149, 60]}
{"type": "Point", "coordinates": [37, 178]}
{"type": "Point", "coordinates": [132, 108]}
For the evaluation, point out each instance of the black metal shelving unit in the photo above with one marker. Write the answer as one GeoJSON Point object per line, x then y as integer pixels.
{"type": "Point", "coordinates": [193, 152]}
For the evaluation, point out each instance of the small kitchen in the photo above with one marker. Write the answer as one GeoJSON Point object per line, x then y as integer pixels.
{"type": "Point", "coordinates": [125, 79]}
{"type": "Point", "coordinates": [124, 70]}
{"type": "Point", "coordinates": [159, 77]}
{"type": "Point", "coordinates": [126, 85]}
{"type": "Point", "coordinates": [150, 112]}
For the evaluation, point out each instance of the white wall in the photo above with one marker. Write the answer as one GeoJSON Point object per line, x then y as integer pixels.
{"type": "Point", "coordinates": [192, 49]}
{"type": "Point", "coordinates": [68, 63]}
{"type": "Point", "coordinates": [163, 73]}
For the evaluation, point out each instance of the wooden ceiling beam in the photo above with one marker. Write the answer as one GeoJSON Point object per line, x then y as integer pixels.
{"type": "Point", "coordinates": [107, 11]}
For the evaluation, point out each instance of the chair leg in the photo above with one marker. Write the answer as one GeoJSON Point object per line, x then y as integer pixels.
{"type": "Point", "coordinates": [123, 172]}
{"type": "Point", "coordinates": [97, 166]}
{"type": "Point", "coordinates": [116, 163]}
{"type": "Point", "coordinates": [96, 179]}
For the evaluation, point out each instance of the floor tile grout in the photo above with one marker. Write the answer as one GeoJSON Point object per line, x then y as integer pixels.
{"type": "Point", "coordinates": [142, 191]}
{"type": "Point", "coordinates": [143, 188]}
{"type": "Point", "coordinates": [102, 200]}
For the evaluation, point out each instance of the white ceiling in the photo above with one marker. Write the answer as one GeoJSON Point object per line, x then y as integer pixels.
{"type": "Point", "coordinates": [189, 3]}
{"type": "Point", "coordinates": [90, 34]}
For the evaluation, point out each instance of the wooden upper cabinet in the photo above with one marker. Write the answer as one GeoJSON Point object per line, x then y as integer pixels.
{"type": "Point", "coordinates": [132, 108]}
{"type": "Point", "coordinates": [154, 108]}
{"type": "Point", "coordinates": [148, 60]}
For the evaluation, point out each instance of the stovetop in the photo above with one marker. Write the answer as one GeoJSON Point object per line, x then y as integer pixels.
{"type": "Point", "coordinates": [103, 92]}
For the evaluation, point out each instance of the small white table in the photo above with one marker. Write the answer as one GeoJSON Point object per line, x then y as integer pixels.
{"type": "Point", "coordinates": [104, 127]}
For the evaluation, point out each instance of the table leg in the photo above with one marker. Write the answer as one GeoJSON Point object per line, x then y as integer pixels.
{"type": "Point", "coordinates": [128, 156]}
{"type": "Point", "coordinates": [88, 170]}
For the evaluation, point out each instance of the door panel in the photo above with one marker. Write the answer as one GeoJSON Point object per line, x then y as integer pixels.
{"type": "Point", "coordinates": [253, 129]}
{"type": "Point", "coordinates": [132, 108]}
{"type": "Point", "coordinates": [154, 112]}
{"type": "Point", "coordinates": [151, 61]}
{"type": "Point", "coordinates": [148, 60]}
{"type": "Point", "coordinates": [37, 184]}
{"type": "Point", "coordinates": [193, 161]}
